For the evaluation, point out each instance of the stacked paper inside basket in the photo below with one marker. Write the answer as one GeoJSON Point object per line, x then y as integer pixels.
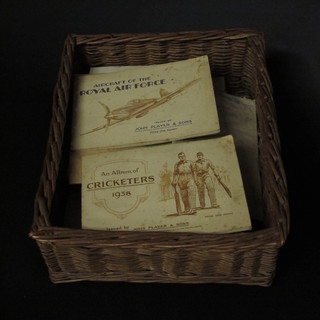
{"type": "Point", "coordinates": [157, 148]}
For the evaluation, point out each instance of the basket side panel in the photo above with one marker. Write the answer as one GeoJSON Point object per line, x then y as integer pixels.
{"type": "Point", "coordinates": [48, 179]}
{"type": "Point", "coordinates": [274, 186]}
{"type": "Point", "coordinates": [68, 264]}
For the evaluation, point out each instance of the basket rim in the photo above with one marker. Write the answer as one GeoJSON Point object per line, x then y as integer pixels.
{"type": "Point", "coordinates": [204, 35]}
{"type": "Point", "coordinates": [268, 237]}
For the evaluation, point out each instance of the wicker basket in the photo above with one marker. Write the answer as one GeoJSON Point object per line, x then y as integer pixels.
{"type": "Point", "coordinates": [73, 254]}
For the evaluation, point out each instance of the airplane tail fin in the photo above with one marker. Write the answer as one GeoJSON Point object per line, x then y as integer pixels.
{"type": "Point", "coordinates": [107, 116]}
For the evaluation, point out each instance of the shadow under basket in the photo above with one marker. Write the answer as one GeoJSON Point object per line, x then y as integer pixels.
{"type": "Point", "coordinates": [73, 254]}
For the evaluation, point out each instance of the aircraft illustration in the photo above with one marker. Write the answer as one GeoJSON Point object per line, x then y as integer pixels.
{"type": "Point", "coordinates": [137, 108]}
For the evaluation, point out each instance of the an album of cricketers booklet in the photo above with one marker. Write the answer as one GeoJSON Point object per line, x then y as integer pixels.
{"type": "Point", "coordinates": [191, 186]}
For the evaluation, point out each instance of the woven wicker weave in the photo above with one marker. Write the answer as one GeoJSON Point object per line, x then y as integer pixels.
{"type": "Point", "coordinates": [73, 254]}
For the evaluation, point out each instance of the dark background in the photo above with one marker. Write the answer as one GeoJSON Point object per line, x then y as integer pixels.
{"type": "Point", "coordinates": [32, 36]}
